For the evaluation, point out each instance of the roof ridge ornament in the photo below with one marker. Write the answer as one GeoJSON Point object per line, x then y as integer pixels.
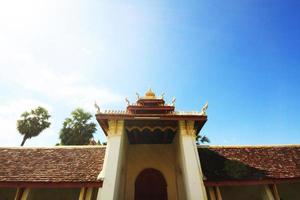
{"type": "Point", "coordinates": [127, 101]}
{"type": "Point", "coordinates": [137, 96]}
{"type": "Point", "coordinates": [97, 107]}
{"type": "Point", "coordinates": [173, 101]}
{"type": "Point", "coordinates": [204, 108]}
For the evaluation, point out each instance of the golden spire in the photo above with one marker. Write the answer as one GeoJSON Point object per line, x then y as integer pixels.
{"type": "Point", "coordinates": [149, 94]}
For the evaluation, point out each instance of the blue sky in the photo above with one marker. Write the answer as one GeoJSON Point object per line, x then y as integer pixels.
{"type": "Point", "coordinates": [242, 57]}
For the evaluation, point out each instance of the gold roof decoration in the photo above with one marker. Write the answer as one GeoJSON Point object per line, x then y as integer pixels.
{"type": "Point", "coordinates": [150, 94]}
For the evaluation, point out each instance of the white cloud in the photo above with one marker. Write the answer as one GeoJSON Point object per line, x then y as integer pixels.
{"type": "Point", "coordinates": [44, 59]}
{"type": "Point", "coordinates": [22, 68]}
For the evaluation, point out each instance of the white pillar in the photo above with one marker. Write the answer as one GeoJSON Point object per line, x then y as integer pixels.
{"type": "Point", "coordinates": [112, 161]}
{"type": "Point", "coordinates": [192, 172]}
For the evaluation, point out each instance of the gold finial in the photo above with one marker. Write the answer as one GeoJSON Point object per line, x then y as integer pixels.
{"type": "Point", "coordinates": [149, 94]}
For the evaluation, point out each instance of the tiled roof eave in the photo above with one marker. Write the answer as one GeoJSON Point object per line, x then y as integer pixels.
{"type": "Point", "coordinates": [250, 164]}
{"type": "Point", "coordinates": [49, 184]}
{"type": "Point", "coordinates": [48, 166]}
{"type": "Point", "coordinates": [251, 182]}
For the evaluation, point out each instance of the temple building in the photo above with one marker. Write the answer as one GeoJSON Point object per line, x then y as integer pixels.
{"type": "Point", "coordinates": [151, 154]}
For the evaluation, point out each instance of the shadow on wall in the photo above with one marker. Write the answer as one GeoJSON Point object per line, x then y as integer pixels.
{"type": "Point", "coordinates": [216, 167]}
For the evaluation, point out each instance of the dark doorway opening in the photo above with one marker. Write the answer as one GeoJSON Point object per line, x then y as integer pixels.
{"type": "Point", "coordinates": [150, 185]}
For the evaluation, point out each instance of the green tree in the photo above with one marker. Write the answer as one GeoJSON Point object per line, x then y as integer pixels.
{"type": "Point", "coordinates": [77, 129]}
{"type": "Point", "coordinates": [33, 123]}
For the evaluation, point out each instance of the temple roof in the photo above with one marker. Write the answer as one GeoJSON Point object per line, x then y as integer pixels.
{"type": "Point", "coordinates": [250, 163]}
{"type": "Point", "coordinates": [81, 165]}
{"type": "Point", "coordinates": [150, 104]}
{"type": "Point", "coordinates": [151, 107]}
{"type": "Point", "coordinates": [51, 165]}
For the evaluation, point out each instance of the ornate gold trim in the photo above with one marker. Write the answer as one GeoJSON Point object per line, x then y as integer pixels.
{"type": "Point", "coordinates": [151, 129]}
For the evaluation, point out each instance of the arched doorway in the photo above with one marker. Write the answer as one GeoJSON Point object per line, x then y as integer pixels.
{"type": "Point", "coordinates": [150, 185]}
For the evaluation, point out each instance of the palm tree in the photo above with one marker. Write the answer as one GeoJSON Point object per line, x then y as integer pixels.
{"type": "Point", "coordinates": [77, 129]}
{"type": "Point", "coordinates": [33, 123]}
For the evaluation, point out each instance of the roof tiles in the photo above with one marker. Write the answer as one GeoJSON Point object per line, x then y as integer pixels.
{"type": "Point", "coordinates": [83, 163]}
{"type": "Point", "coordinates": [250, 162]}
{"type": "Point", "coordinates": [57, 164]}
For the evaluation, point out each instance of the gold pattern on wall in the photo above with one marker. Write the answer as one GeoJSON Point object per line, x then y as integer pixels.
{"type": "Point", "coordinates": [151, 129]}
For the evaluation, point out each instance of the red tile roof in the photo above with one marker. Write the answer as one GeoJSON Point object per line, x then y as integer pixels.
{"type": "Point", "coordinates": [82, 164]}
{"type": "Point", "coordinates": [250, 162]}
{"type": "Point", "coordinates": [57, 164]}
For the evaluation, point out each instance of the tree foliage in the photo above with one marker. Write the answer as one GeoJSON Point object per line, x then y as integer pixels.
{"type": "Point", "coordinates": [77, 129]}
{"type": "Point", "coordinates": [202, 139]}
{"type": "Point", "coordinates": [33, 123]}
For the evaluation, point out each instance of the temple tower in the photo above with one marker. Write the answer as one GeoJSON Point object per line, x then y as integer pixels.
{"type": "Point", "coordinates": [151, 152]}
